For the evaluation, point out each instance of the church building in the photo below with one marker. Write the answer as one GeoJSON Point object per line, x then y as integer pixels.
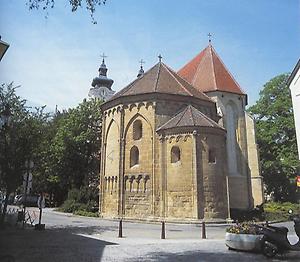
{"type": "Point", "coordinates": [179, 145]}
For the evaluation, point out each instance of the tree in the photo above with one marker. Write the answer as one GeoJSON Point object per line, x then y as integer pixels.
{"type": "Point", "coordinates": [70, 153]}
{"type": "Point", "coordinates": [18, 139]}
{"type": "Point", "coordinates": [90, 5]}
{"type": "Point", "coordinates": [276, 138]}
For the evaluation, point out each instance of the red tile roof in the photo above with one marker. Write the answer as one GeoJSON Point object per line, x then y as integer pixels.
{"type": "Point", "coordinates": [189, 117]}
{"type": "Point", "coordinates": [208, 73]}
{"type": "Point", "coordinates": [160, 79]}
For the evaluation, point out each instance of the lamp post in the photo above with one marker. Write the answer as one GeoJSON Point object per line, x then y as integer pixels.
{"type": "Point", "coordinates": [29, 166]}
{"type": "Point", "coordinates": [5, 123]}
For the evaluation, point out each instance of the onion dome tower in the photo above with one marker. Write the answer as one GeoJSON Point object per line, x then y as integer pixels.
{"type": "Point", "coordinates": [101, 85]}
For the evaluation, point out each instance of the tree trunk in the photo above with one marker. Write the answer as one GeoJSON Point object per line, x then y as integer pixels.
{"type": "Point", "coordinates": [4, 208]}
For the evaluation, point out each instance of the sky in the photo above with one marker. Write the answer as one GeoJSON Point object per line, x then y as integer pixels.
{"type": "Point", "coordinates": [54, 59]}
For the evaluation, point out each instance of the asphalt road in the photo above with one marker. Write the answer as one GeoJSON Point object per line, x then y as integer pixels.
{"type": "Point", "coordinates": [73, 238]}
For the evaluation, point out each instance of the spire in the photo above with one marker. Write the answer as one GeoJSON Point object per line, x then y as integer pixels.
{"type": "Point", "coordinates": [209, 38]}
{"type": "Point", "coordinates": [102, 79]}
{"type": "Point", "coordinates": [102, 69]}
{"type": "Point", "coordinates": [141, 72]}
{"type": "Point", "coordinates": [207, 73]}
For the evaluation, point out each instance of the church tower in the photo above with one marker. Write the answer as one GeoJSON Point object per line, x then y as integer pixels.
{"type": "Point", "coordinates": [101, 85]}
{"type": "Point", "coordinates": [208, 74]}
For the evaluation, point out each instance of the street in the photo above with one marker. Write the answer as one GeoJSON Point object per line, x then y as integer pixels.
{"type": "Point", "coordinates": [74, 238]}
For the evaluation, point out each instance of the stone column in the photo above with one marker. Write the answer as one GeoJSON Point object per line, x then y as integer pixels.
{"type": "Point", "coordinates": [102, 164]}
{"type": "Point", "coordinates": [195, 176]}
{"type": "Point", "coordinates": [163, 176]}
{"type": "Point", "coordinates": [121, 204]}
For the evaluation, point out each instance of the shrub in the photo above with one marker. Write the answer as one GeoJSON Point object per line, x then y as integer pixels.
{"type": "Point", "coordinates": [86, 213]}
{"type": "Point", "coordinates": [279, 211]}
{"type": "Point", "coordinates": [70, 206]}
{"type": "Point", "coordinates": [81, 201]}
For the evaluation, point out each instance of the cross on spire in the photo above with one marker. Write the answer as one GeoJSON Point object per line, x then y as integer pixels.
{"type": "Point", "coordinates": [103, 56]}
{"type": "Point", "coordinates": [209, 37]}
{"type": "Point", "coordinates": [142, 62]}
{"type": "Point", "coordinates": [159, 58]}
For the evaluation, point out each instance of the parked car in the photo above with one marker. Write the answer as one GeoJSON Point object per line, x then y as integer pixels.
{"type": "Point", "coordinates": [31, 200]}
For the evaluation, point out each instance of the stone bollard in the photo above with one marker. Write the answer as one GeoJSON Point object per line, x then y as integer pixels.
{"type": "Point", "coordinates": [203, 231]}
{"type": "Point", "coordinates": [120, 229]}
{"type": "Point", "coordinates": [163, 230]}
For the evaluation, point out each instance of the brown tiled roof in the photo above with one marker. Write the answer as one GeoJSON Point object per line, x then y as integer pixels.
{"type": "Point", "coordinates": [160, 79]}
{"type": "Point", "coordinates": [208, 73]}
{"type": "Point", "coordinates": [189, 117]}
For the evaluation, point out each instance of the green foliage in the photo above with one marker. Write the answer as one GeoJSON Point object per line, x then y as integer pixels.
{"type": "Point", "coordinates": [19, 139]}
{"type": "Point", "coordinates": [82, 200]}
{"type": "Point", "coordinates": [279, 211]}
{"type": "Point", "coordinates": [86, 213]}
{"type": "Point", "coordinates": [276, 138]}
{"type": "Point", "coordinates": [90, 5]}
{"type": "Point", "coordinates": [243, 228]}
{"type": "Point", "coordinates": [70, 152]}
{"type": "Point", "coordinates": [64, 149]}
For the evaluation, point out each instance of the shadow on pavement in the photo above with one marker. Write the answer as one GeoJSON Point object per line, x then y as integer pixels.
{"type": "Point", "coordinates": [55, 244]}
{"type": "Point", "coordinates": [228, 256]}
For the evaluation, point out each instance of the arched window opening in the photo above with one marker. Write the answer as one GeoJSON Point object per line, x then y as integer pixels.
{"type": "Point", "coordinates": [212, 156]}
{"type": "Point", "coordinates": [175, 154]}
{"type": "Point", "coordinates": [134, 156]}
{"type": "Point", "coordinates": [137, 130]}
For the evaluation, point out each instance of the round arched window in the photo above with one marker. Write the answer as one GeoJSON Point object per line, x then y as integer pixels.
{"type": "Point", "coordinates": [137, 131]}
{"type": "Point", "coordinates": [175, 154]}
{"type": "Point", "coordinates": [134, 156]}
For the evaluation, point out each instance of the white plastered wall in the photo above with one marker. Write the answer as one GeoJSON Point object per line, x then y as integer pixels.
{"type": "Point", "coordinates": [295, 92]}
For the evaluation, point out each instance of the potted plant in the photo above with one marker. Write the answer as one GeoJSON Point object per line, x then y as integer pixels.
{"type": "Point", "coordinates": [243, 236]}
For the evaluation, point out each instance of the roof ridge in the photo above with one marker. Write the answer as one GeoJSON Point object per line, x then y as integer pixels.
{"type": "Point", "coordinates": [191, 60]}
{"type": "Point", "coordinates": [191, 108]}
{"type": "Point", "coordinates": [200, 63]}
{"type": "Point", "coordinates": [172, 73]}
{"type": "Point", "coordinates": [226, 69]}
{"type": "Point", "coordinates": [209, 119]}
{"type": "Point", "coordinates": [172, 117]}
{"type": "Point", "coordinates": [213, 66]}
{"type": "Point", "coordinates": [126, 88]}
{"type": "Point", "coordinates": [195, 113]}
{"type": "Point", "coordinates": [183, 112]}
{"type": "Point", "coordinates": [157, 77]}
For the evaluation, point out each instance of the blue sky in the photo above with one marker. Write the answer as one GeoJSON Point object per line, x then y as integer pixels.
{"type": "Point", "coordinates": [55, 59]}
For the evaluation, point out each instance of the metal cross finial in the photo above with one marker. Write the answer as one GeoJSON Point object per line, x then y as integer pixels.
{"type": "Point", "coordinates": [209, 37]}
{"type": "Point", "coordinates": [142, 62]}
{"type": "Point", "coordinates": [103, 56]}
{"type": "Point", "coordinates": [159, 57]}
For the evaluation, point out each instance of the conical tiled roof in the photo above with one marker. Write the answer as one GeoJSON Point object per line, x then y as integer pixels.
{"type": "Point", "coordinates": [208, 73]}
{"type": "Point", "coordinates": [189, 117]}
{"type": "Point", "coordinates": [160, 79]}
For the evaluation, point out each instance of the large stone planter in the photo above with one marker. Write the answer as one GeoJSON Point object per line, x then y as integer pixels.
{"type": "Point", "coordinates": [244, 242]}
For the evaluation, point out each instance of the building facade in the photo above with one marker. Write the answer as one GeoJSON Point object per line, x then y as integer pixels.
{"type": "Point", "coordinates": [172, 150]}
{"type": "Point", "coordinates": [294, 85]}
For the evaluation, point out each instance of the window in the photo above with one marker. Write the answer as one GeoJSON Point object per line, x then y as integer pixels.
{"type": "Point", "coordinates": [175, 154]}
{"type": "Point", "coordinates": [211, 156]}
{"type": "Point", "coordinates": [134, 156]}
{"type": "Point", "coordinates": [137, 130]}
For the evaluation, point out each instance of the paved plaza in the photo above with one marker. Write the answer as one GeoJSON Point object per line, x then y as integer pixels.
{"type": "Point", "coordinates": [74, 238]}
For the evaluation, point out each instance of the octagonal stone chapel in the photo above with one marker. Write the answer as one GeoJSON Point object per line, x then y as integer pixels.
{"type": "Point", "coordinates": [178, 145]}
